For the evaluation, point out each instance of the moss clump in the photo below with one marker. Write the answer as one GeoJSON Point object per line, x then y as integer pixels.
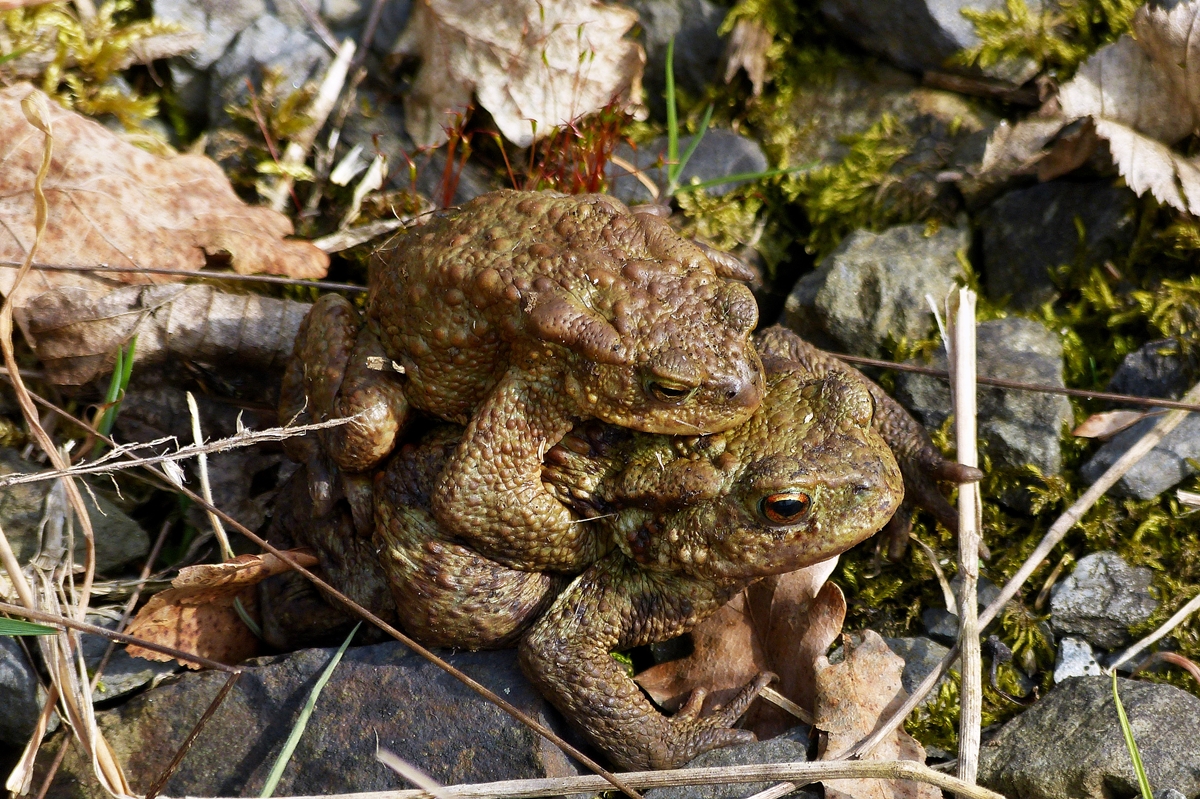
{"type": "Point", "coordinates": [81, 60]}
{"type": "Point", "coordinates": [852, 194]}
{"type": "Point", "coordinates": [1059, 37]}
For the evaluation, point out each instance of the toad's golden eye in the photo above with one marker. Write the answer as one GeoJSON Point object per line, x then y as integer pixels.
{"type": "Point", "coordinates": [786, 508]}
{"type": "Point", "coordinates": [671, 393]}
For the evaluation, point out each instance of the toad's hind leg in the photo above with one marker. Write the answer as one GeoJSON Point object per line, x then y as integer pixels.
{"type": "Point", "coordinates": [617, 605]}
{"type": "Point", "coordinates": [491, 495]}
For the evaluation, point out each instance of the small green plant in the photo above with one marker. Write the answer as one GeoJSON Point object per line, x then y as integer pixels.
{"type": "Point", "coordinates": [122, 371]}
{"type": "Point", "coordinates": [20, 627]}
{"type": "Point", "coordinates": [86, 55]}
{"type": "Point", "coordinates": [1134, 754]}
{"type": "Point", "coordinates": [675, 162]}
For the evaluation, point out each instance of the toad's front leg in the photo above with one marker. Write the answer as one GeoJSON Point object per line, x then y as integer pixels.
{"type": "Point", "coordinates": [491, 495]}
{"type": "Point", "coordinates": [612, 606]}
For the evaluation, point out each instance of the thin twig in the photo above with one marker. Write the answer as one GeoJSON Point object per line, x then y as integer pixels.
{"type": "Point", "coordinates": [205, 484]}
{"type": "Point", "coordinates": [1051, 539]}
{"type": "Point", "coordinates": [161, 782]}
{"type": "Point", "coordinates": [963, 359]}
{"type": "Point", "coordinates": [799, 773]}
{"type": "Point", "coordinates": [199, 275]}
{"type": "Point", "coordinates": [368, 34]}
{"type": "Point", "coordinates": [111, 461]}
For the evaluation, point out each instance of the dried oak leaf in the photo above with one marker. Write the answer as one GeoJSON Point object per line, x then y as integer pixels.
{"type": "Point", "coordinates": [1107, 424]}
{"type": "Point", "coordinates": [851, 697]}
{"type": "Point", "coordinates": [533, 65]}
{"type": "Point", "coordinates": [113, 204]}
{"type": "Point", "coordinates": [197, 615]}
{"type": "Point", "coordinates": [780, 624]}
{"type": "Point", "coordinates": [76, 331]}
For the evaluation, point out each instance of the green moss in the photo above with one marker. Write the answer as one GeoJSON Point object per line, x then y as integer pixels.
{"type": "Point", "coordinates": [1060, 37]}
{"type": "Point", "coordinates": [843, 197]}
{"type": "Point", "coordinates": [85, 57]}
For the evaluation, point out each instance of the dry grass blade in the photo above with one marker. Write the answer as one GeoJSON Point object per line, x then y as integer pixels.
{"type": "Point", "coordinates": [410, 772]}
{"type": "Point", "coordinates": [970, 718]}
{"type": "Point", "coordinates": [1051, 539]}
{"type": "Point", "coordinates": [799, 773]}
{"type": "Point", "coordinates": [1170, 624]}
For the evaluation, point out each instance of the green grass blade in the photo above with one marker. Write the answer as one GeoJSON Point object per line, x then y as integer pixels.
{"type": "Point", "coordinates": [21, 627]}
{"type": "Point", "coordinates": [687, 155]}
{"type": "Point", "coordinates": [302, 720]}
{"type": "Point", "coordinates": [672, 117]}
{"type": "Point", "coordinates": [1127, 731]}
{"type": "Point", "coordinates": [122, 371]}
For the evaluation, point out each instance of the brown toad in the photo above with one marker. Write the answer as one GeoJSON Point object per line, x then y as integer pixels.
{"type": "Point", "coordinates": [680, 525]}
{"type": "Point", "coordinates": [520, 314]}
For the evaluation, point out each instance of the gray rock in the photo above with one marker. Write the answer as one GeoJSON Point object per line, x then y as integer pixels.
{"type": "Point", "coordinates": [940, 624]}
{"type": "Point", "coordinates": [873, 287]}
{"type": "Point", "coordinates": [378, 693]}
{"type": "Point", "coordinates": [921, 656]}
{"type": "Point", "coordinates": [1070, 744]}
{"type": "Point", "coordinates": [1101, 600]}
{"type": "Point", "coordinates": [268, 43]}
{"type": "Point", "coordinates": [917, 35]}
{"type": "Point", "coordinates": [719, 153]}
{"type": "Point", "coordinates": [18, 694]}
{"type": "Point", "coordinates": [1156, 369]}
{"type": "Point", "coordinates": [219, 20]}
{"type": "Point", "coordinates": [776, 750]}
{"type": "Point", "coordinates": [122, 674]}
{"type": "Point", "coordinates": [119, 539]}
{"type": "Point", "coordinates": [1015, 427]}
{"type": "Point", "coordinates": [1169, 793]}
{"type": "Point", "coordinates": [693, 24]}
{"type": "Point", "coordinates": [1075, 659]}
{"type": "Point", "coordinates": [1028, 232]}
{"type": "Point", "coordinates": [1160, 468]}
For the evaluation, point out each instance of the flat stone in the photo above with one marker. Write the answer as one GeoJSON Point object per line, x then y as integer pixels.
{"type": "Point", "coordinates": [122, 674]}
{"type": "Point", "coordinates": [119, 539]}
{"type": "Point", "coordinates": [873, 287]}
{"type": "Point", "coordinates": [693, 25]}
{"type": "Point", "coordinates": [377, 695]}
{"type": "Point", "coordinates": [218, 20]}
{"type": "Point", "coordinates": [1070, 745]}
{"type": "Point", "coordinates": [1101, 600]}
{"type": "Point", "coordinates": [1169, 463]}
{"type": "Point", "coordinates": [1156, 369]}
{"type": "Point", "coordinates": [776, 750]}
{"type": "Point", "coordinates": [719, 153]}
{"type": "Point", "coordinates": [18, 694]}
{"type": "Point", "coordinates": [918, 35]}
{"type": "Point", "coordinates": [1075, 659]}
{"type": "Point", "coordinates": [921, 656]}
{"type": "Point", "coordinates": [1029, 232]}
{"type": "Point", "coordinates": [1015, 427]}
{"type": "Point", "coordinates": [267, 43]}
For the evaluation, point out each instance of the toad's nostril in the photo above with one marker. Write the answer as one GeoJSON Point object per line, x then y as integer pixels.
{"type": "Point", "coordinates": [746, 394]}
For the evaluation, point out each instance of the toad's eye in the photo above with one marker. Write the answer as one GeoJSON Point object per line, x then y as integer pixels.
{"type": "Point", "coordinates": [786, 508]}
{"type": "Point", "coordinates": [669, 392]}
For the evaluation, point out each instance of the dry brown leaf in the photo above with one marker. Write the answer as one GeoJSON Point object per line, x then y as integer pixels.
{"type": "Point", "coordinates": [197, 613]}
{"type": "Point", "coordinates": [851, 697]}
{"type": "Point", "coordinates": [776, 625]}
{"type": "Point", "coordinates": [747, 49]}
{"type": "Point", "coordinates": [116, 205]}
{"type": "Point", "coordinates": [77, 331]}
{"type": "Point", "coordinates": [532, 65]}
{"type": "Point", "coordinates": [1107, 424]}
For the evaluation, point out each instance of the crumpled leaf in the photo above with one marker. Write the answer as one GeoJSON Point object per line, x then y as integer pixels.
{"type": "Point", "coordinates": [779, 624]}
{"type": "Point", "coordinates": [1142, 95]}
{"type": "Point", "coordinates": [533, 65]}
{"type": "Point", "coordinates": [116, 205]}
{"type": "Point", "coordinates": [77, 331]}
{"type": "Point", "coordinates": [851, 697]}
{"type": "Point", "coordinates": [197, 613]}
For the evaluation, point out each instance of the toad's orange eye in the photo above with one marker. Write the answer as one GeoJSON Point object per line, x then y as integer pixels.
{"type": "Point", "coordinates": [670, 392]}
{"type": "Point", "coordinates": [786, 508]}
